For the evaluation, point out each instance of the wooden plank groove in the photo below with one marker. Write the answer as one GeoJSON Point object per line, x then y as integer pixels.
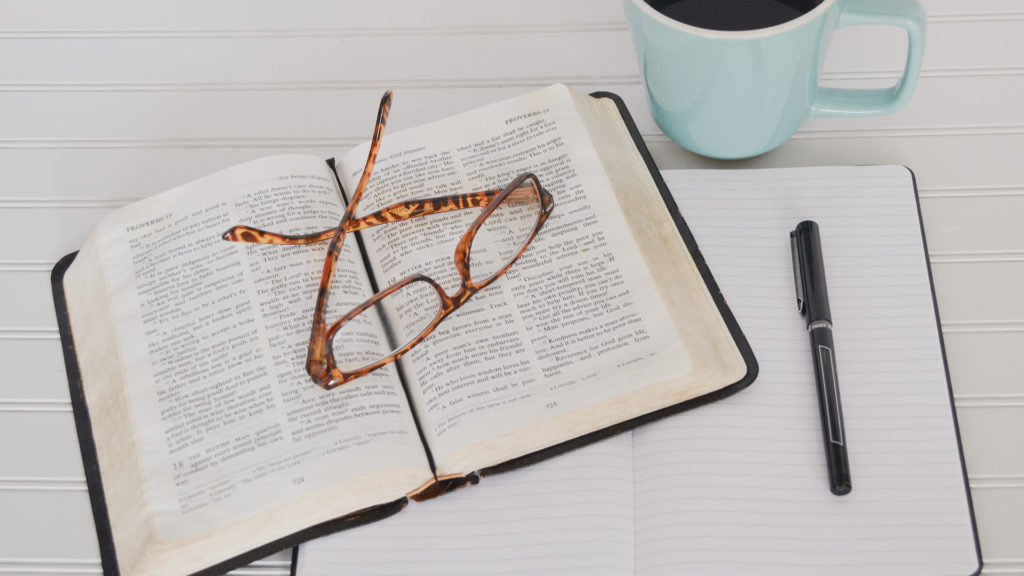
{"type": "Point", "coordinates": [990, 401]}
{"type": "Point", "coordinates": [275, 565]}
{"type": "Point", "coordinates": [343, 142]}
{"type": "Point", "coordinates": [307, 85]}
{"type": "Point", "coordinates": [442, 83]}
{"type": "Point", "coordinates": [26, 266]}
{"type": "Point", "coordinates": [598, 54]}
{"type": "Point", "coordinates": [29, 334]}
{"type": "Point", "coordinates": [970, 191]}
{"type": "Point", "coordinates": [996, 482]}
{"type": "Point", "coordinates": [34, 405]}
{"type": "Point", "coordinates": [422, 29]}
{"type": "Point", "coordinates": [439, 29]}
{"type": "Point", "coordinates": [890, 74]}
{"type": "Point", "coordinates": [241, 15]}
{"type": "Point", "coordinates": [990, 327]}
{"type": "Point", "coordinates": [976, 257]}
{"type": "Point", "coordinates": [43, 484]}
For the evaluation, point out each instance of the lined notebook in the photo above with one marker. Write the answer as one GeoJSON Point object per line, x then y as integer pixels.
{"type": "Point", "coordinates": [739, 486]}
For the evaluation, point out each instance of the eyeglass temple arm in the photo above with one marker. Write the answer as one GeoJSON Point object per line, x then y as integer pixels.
{"type": "Point", "coordinates": [393, 213]}
{"type": "Point", "coordinates": [317, 363]}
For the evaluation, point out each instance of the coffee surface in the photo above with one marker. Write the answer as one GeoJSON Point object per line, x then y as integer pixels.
{"type": "Point", "coordinates": [733, 15]}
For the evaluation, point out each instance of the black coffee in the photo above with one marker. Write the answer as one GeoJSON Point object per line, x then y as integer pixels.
{"type": "Point", "coordinates": [733, 14]}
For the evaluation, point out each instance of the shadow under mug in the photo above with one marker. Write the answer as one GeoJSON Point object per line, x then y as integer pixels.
{"type": "Point", "coordinates": [737, 94]}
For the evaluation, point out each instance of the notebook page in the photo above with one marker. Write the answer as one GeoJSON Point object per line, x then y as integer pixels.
{"type": "Point", "coordinates": [740, 486]}
{"type": "Point", "coordinates": [569, 515]}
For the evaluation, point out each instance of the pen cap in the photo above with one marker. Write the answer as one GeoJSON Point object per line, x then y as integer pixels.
{"type": "Point", "coordinates": [812, 271]}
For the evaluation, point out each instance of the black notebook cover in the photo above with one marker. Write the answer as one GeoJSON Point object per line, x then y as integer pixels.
{"type": "Point", "coordinates": [88, 448]}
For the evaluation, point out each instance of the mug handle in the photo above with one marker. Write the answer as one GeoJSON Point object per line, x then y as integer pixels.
{"type": "Point", "coordinates": [906, 14]}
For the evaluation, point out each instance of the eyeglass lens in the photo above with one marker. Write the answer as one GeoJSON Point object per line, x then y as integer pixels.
{"type": "Point", "coordinates": [502, 236]}
{"type": "Point", "coordinates": [409, 311]}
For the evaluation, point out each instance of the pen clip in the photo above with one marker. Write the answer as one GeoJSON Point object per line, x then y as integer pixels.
{"type": "Point", "coordinates": [798, 276]}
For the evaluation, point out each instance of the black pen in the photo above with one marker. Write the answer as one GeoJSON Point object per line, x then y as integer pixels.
{"type": "Point", "coordinates": [812, 301]}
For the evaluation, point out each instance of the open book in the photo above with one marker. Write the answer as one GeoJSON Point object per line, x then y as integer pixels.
{"type": "Point", "coordinates": [206, 444]}
{"type": "Point", "coordinates": [740, 486]}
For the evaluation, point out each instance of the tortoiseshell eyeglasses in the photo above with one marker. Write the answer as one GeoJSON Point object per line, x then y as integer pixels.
{"type": "Point", "coordinates": [508, 220]}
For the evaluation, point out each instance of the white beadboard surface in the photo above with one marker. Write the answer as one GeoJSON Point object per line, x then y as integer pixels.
{"type": "Point", "coordinates": [107, 101]}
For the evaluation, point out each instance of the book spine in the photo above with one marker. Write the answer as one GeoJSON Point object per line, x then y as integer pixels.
{"type": "Point", "coordinates": [442, 485]}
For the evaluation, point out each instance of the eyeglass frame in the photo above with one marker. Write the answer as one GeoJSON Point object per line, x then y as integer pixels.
{"type": "Point", "coordinates": [320, 362]}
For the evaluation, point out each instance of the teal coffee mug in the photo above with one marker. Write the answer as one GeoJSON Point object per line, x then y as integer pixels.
{"type": "Point", "coordinates": [736, 93]}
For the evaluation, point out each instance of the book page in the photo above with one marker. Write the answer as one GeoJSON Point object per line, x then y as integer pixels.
{"type": "Point", "coordinates": [740, 485]}
{"type": "Point", "coordinates": [570, 515]}
{"type": "Point", "coordinates": [213, 340]}
{"type": "Point", "coordinates": [575, 314]}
